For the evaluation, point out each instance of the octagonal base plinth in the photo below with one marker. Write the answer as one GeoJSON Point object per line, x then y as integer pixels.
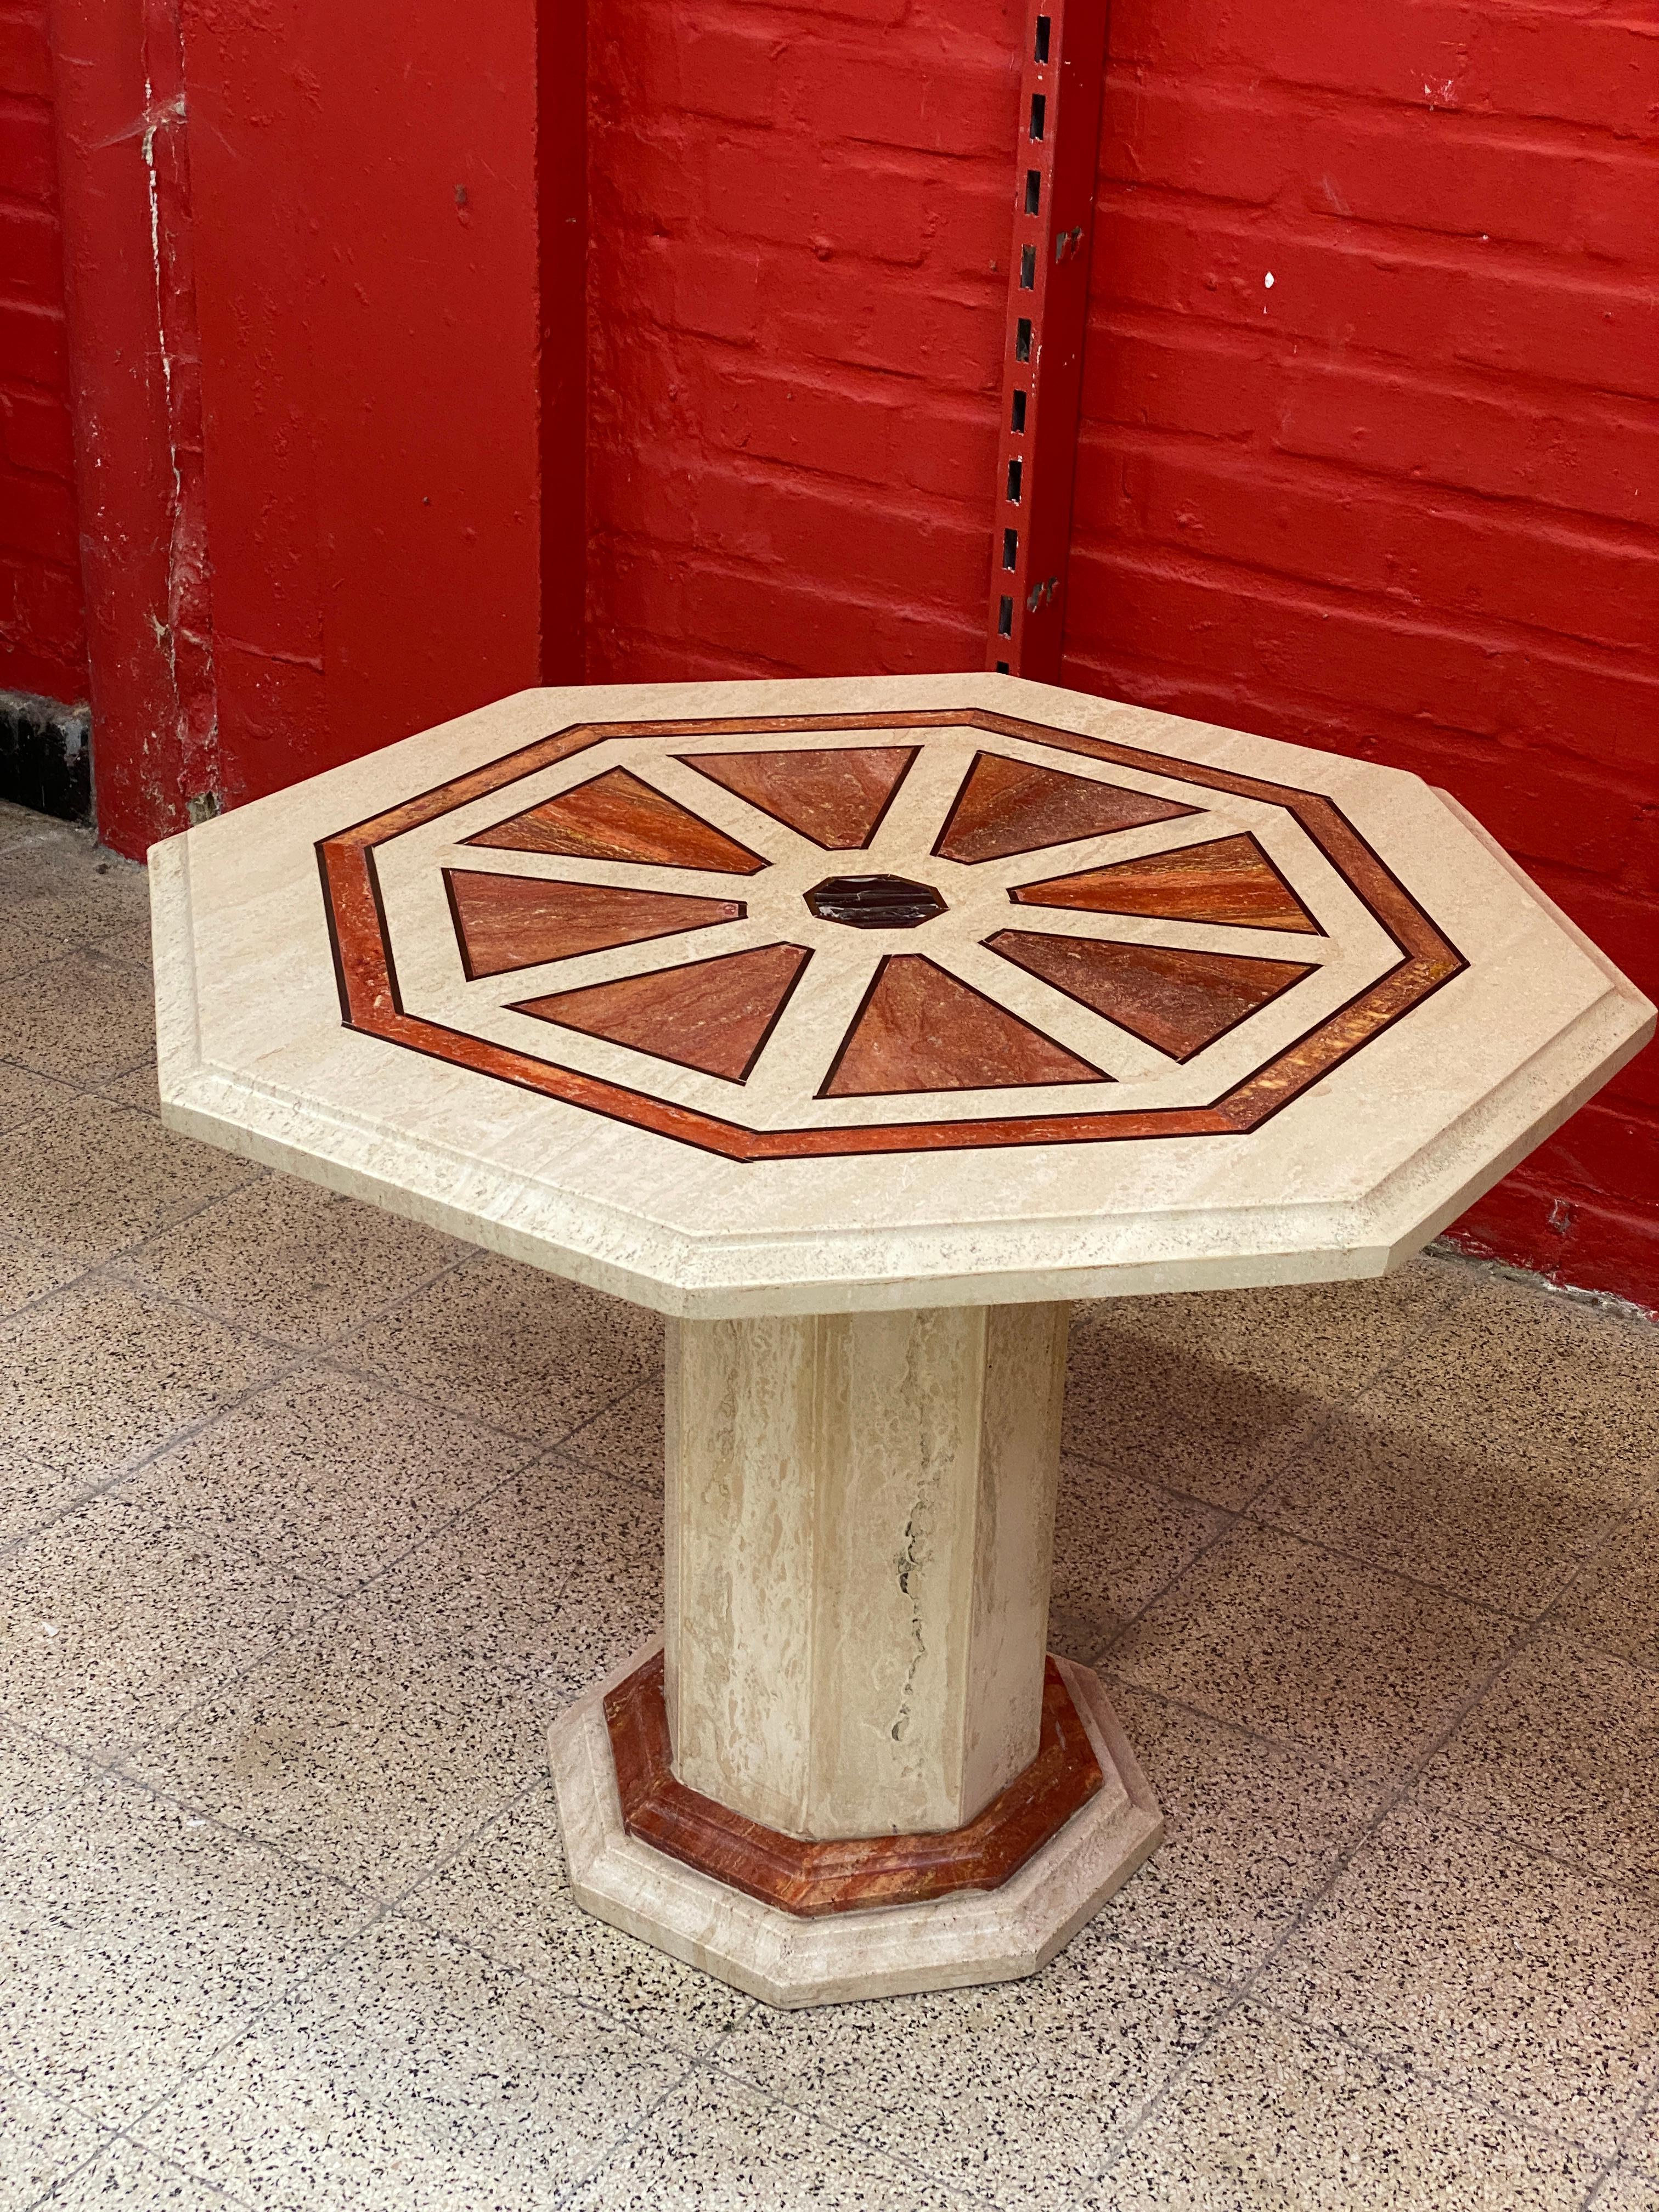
{"type": "Point", "coordinates": [977, 1935]}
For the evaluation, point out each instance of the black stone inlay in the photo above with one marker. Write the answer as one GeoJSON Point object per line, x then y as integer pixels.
{"type": "Point", "coordinates": [874, 901]}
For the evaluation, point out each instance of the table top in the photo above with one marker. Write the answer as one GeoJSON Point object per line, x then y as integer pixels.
{"type": "Point", "coordinates": [807, 996]}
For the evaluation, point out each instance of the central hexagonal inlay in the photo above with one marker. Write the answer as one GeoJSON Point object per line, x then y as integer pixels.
{"type": "Point", "coordinates": [874, 901]}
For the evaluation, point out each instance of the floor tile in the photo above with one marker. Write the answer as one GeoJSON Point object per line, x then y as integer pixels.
{"type": "Point", "coordinates": [626, 1438]}
{"type": "Point", "coordinates": [1625, 2190]}
{"type": "Point", "coordinates": [25, 1097]}
{"type": "Point", "coordinates": [1117, 1543]}
{"type": "Point", "coordinates": [144, 2183]}
{"type": "Point", "coordinates": [1562, 1753]}
{"type": "Point", "coordinates": [117, 1616]}
{"type": "Point", "coordinates": [95, 1378]}
{"type": "Point", "coordinates": [1317, 1652]}
{"type": "Point", "coordinates": [1269, 2119]}
{"type": "Point", "coordinates": [514, 1346]}
{"type": "Point", "coordinates": [712, 2142]}
{"type": "Point", "coordinates": [1206, 1392]}
{"type": "Point", "coordinates": [1614, 1604]}
{"type": "Point", "coordinates": [34, 1776]}
{"type": "Point", "coordinates": [1536, 1380]}
{"type": "Point", "coordinates": [96, 1177]}
{"type": "Point", "coordinates": [612, 1604]}
{"type": "Point", "coordinates": [1018, 2092]}
{"type": "Point", "coordinates": [137, 1088]}
{"type": "Point", "coordinates": [412, 2071]}
{"type": "Point", "coordinates": [1515, 1980]}
{"type": "Point", "coordinates": [59, 890]}
{"type": "Point", "coordinates": [42, 2140]}
{"type": "Point", "coordinates": [292, 1259]}
{"type": "Point", "coordinates": [1414, 1501]}
{"type": "Point", "coordinates": [84, 1017]}
{"type": "Point", "coordinates": [1251, 1829]}
{"type": "Point", "coordinates": [381, 1735]}
{"type": "Point", "coordinates": [28, 1271]}
{"type": "Point", "coordinates": [1494, 1458]}
{"type": "Point", "coordinates": [509, 1894]}
{"type": "Point", "coordinates": [135, 1938]}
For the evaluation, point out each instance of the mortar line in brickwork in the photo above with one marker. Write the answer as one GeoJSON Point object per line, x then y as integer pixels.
{"type": "Point", "coordinates": [1054, 190]}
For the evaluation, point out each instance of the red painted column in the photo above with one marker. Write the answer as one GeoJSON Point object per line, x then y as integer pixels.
{"type": "Point", "coordinates": [368, 289]}
{"type": "Point", "coordinates": [125, 188]}
{"type": "Point", "coordinates": [326, 296]}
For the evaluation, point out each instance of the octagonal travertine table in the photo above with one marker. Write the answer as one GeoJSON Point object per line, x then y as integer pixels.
{"type": "Point", "coordinates": [859, 1027]}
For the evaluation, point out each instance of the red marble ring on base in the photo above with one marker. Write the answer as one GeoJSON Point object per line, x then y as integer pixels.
{"type": "Point", "coordinates": [853, 1874]}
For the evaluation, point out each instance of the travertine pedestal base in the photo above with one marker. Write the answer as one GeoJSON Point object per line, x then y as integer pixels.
{"type": "Point", "coordinates": [990, 1936]}
{"type": "Point", "coordinates": [853, 1771]}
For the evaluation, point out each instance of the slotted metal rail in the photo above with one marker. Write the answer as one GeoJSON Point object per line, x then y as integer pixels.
{"type": "Point", "coordinates": [1047, 305]}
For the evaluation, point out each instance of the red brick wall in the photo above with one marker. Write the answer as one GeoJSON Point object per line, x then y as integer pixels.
{"type": "Point", "coordinates": [1404, 501]}
{"type": "Point", "coordinates": [42, 640]}
{"type": "Point", "coordinates": [796, 220]}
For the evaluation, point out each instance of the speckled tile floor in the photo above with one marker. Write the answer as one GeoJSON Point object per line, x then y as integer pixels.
{"type": "Point", "coordinates": [310, 1521]}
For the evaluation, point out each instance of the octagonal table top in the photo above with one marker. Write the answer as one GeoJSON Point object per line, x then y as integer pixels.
{"type": "Point", "coordinates": [769, 997]}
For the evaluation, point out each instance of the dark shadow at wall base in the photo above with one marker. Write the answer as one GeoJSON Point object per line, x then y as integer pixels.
{"type": "Point", "coordinates": [45, 755]}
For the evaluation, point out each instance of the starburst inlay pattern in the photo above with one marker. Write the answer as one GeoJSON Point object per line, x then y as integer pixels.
{"type": "Point", "coordinates": [1034, 936]}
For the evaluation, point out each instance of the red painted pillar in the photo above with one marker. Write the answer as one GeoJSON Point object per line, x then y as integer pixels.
{"type": "Point", "coordinates": [124, 192]}
{"type": "Point", "coordinates": [326, 297]}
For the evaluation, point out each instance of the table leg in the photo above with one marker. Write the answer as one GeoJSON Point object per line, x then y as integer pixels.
{"type": "Point", "coordinates": [850, 1767]}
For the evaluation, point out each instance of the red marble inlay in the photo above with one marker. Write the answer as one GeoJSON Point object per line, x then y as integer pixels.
{"type": "Point", "coordinates": [504, 922]}
{"type": "Point", "coordinates": [370, 1000]}
{"type": "Point", "coordinates": [1178, 1001]}
{"type": "Point", "coordinates": [616, 816]}
{"type": "Point", "coordinates": [710, 1014]}
{"type": "Point", "coordinates": [1229, 879]}
{"type": "Point", "coordinates": [835, 798]}
{"type": "Point", "coordinates": [859, 1872]}
{"type": "Point", "coordinates": [1007, 806]}
{"type": "Point", "coordinates": [919, 1029]}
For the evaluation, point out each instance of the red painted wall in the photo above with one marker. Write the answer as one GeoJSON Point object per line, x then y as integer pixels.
{"type": "Point", "coordinates": [42, 632]}
{"type": "Point", "coordinates": [1402, 502]}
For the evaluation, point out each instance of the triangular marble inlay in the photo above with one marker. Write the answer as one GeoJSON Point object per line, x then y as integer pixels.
{"type": "Point", "coordinates": [1226, 880]}
{"type": "Point", "coordinates": [1006, 806]}
{"type": "Point", "coordinates": [712, 1015]}
{"type": "Point", "coordinates": [616, 817]}
{"type": "Point", "coordinates": [1179, 1001]}
{"type": "Point", "coordinates": [921, 1028]}
{"type": "Point", "coordinates": [504, 922]}
{"type": "Point", "coordinates": [836, 797]}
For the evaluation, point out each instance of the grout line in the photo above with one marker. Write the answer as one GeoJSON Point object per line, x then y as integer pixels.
{"type": "Point", "coordinates": [597, 2165]}
{"type": "Point", "coordinates": [1387, 1803]}
{"type": "Point", "coordinates": [1307, 1439]}
{"type": "Point", "coordinates": [176, 1438]}
{"type": "Point", "coordinates": [855, 2138]}
{"type": "Point", "coordinates": [115, 2141]}
{"type": "Point", "coordinates": [105, 1264]}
